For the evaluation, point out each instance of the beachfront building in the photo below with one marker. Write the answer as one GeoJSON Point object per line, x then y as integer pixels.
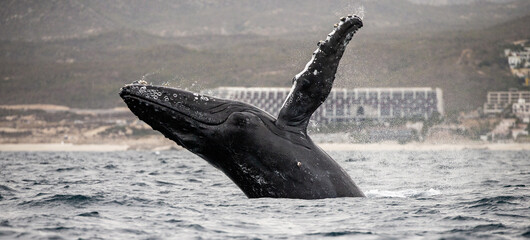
{"type": "Point", "coordinates": [345, 105]}
{"type": "Point", "coordinates": [521, 109]}
{"type": "Point", "coordinates": [498, 101]}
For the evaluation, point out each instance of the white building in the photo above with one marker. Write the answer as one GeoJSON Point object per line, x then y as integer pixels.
{"type": "Point", "coordinates": [343, 105]}
{"type": "Point", "coordinates": [518, 59]}
{"type": "Point", "coordinates": [519, 62]}
{"type": "Point", "coordinates": [498, 101]}
{"type": "Point", "coordinates": [521, 109]}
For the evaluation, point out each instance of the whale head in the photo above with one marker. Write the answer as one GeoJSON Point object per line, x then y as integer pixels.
{"type": "Point", "coordinates": [184, 117]}
{"type": "Point", "coordinates": [201, 123]}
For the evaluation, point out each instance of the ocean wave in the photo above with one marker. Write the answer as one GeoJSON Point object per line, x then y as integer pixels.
{"type": "Point", "coordinates": [89, 214]}
{"type": "Point", "coordinates": [69, 169]}
{"type": "Point", "coordinates": [496, 201]}
{"type": "Point", "coordinates": [339, 233]}
{"type": "Point", "coordinates": [407, 193]}
{"type": "Point", "coordinates": [515, 186]}
{"type": "Point", "coordinates": [5, 233]}
{"type": "Point", "coordinates": [481, 228]}
{"type": "Point", "coordinates": [512, 215]}
{"type": "Point", "coordinates": [6, 188]}
{"type": "Point", "coordinates": [159, 182]}
{"type": "Point", "coordinates": [463, 218]}
{"type": "Point", "coordinates": [357, 159]}
{"type": "Point", "coordinates": [110, 166]}
{"type": "Point", "coordinates": [74, 200]}
{"type": "Point", "coordinates": [55, 229]}
{"type": "Point", "coordinates": [4, 223]}
{"type": "Point", "coordinates": [122, 198]}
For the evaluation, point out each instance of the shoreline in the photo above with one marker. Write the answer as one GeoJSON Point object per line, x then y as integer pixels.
{"type": "Point", "coordinates": [61, 147]}
{"type": "Point", "coordinates": [423, 146]}
{"type": "Point", "coordinates": [69, 147]}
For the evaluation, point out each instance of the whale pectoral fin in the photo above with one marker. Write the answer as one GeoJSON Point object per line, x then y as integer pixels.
{"type": "Point", "coordinates": [312, 86]}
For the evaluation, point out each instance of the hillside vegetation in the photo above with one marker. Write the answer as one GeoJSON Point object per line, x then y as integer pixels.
{"type": "Point", "coordinates": [51, 20]}
{"type": "Point", "coordinates": [87, 70]}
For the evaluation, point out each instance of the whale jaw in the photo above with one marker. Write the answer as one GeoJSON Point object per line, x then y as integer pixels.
{"type": "Point", "coordinates": [184, 117]}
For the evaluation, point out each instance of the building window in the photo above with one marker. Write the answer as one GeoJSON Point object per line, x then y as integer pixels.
{"type": "Point", "coordinates": [360, 111]}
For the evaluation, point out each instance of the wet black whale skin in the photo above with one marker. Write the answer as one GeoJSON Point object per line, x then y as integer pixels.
{"type": "Point", "coordinates": [263, 155]}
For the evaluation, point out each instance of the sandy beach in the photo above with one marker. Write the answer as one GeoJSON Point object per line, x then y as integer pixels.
{"type": "Point", "coordinates": [59, 147]}
{"type": "Point", "coordinates": [422, 147]}
{"type": "Point", "coordinates": [68, 147]}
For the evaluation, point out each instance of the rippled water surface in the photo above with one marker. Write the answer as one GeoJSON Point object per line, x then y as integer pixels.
{"type": "Point", "coordinates": [174, 195]}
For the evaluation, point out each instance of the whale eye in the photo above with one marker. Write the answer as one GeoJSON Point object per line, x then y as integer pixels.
{"type": "Point", "coordinates": [242, 119]}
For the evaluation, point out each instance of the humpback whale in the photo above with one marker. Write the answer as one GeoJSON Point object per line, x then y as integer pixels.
{"type": "Point", "coordinates": [263, 155]}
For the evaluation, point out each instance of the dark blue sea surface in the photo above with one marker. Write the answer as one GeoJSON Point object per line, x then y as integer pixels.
{"type": "Point", "coordinates": [176, 195]}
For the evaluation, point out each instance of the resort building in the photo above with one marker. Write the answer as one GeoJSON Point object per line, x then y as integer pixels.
{"type": "Point", "coordinates": [521, 109]}
{"type": "Point", "coordinates": [498, 101]}
{"type": "Point", "coordinates": [345, 105]}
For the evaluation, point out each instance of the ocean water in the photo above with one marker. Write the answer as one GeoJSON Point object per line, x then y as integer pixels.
{"type": "Point", "coordinates": [176, 195]}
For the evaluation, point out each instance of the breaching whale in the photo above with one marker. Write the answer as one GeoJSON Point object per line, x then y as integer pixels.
{"type": "Point", "coordinates": [263, 155]}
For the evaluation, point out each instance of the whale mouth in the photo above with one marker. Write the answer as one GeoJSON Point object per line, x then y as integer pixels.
{"type": "Point", "coordinates": [136, 102]}
{"type": "Point", "coordinates": [169, 104]}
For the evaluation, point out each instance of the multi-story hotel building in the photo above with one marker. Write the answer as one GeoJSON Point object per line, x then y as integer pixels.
{"type": "Point", "coordinates": [343, 105]}
{"type": "Point", "coordinates": [498, 101]}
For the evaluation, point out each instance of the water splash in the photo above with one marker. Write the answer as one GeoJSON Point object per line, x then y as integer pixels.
{"type": "Point", "coordinates": [351, 7]}
{"type": "Point", "coordinates": [146, 76]}
{"type": "Point", "coordinates": [360, 12]}
{"type": "Point", "coordinates": [407, 193]}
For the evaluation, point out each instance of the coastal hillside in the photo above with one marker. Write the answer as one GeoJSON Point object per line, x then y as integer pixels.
{"type": "Point", "coordinates": [87, 70]}
{"type": "Point", "coordinates": [52, 20]}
